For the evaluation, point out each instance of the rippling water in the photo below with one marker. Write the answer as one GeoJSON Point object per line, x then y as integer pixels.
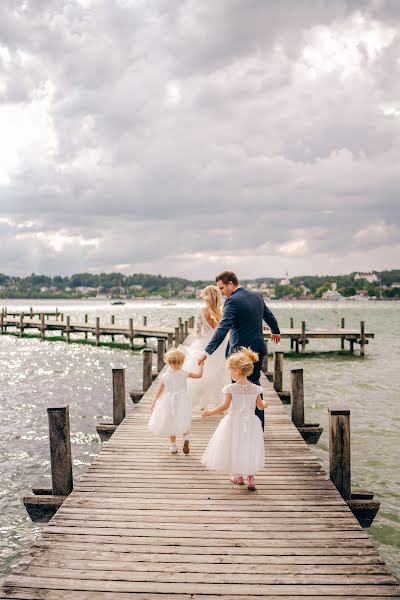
{"type": "Point", "coordinates": [35, 375]}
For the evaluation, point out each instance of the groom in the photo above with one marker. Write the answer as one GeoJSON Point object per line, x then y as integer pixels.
{"type": "Point", "coordinates": [244, 313]}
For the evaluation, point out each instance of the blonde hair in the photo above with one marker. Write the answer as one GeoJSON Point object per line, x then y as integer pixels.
{"type": "Point", "coordinates": [243, 361]}
{"type": "Point", "coordinates": [213, 299]}
{"type": "Point", "coordinates": [174, 357]}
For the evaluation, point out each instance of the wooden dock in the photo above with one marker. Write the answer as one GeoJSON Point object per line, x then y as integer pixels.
{"type": "Point", "coordinates": [97, 330]}
{"type": "Point", "coordinates": [301, 336]}
{"type": "Point", "coordinates": [142, 523]}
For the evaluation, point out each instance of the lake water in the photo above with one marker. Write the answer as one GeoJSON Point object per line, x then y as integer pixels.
{"type": "Point", "coordinates": [35, 375]}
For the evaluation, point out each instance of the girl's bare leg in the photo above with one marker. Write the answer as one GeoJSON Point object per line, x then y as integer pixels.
{"type": "Point", "coordinates": [186, 438]}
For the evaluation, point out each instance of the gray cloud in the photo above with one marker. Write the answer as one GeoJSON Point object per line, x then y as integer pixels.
{"type": "Point", "coordinates": [185, 137]}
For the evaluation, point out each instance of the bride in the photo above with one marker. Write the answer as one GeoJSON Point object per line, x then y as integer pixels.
{"type": "Point", "coordinates": [207, 390]}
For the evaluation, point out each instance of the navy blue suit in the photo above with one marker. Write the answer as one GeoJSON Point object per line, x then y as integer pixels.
{"type": "Point", "coordinates": [244, 313]}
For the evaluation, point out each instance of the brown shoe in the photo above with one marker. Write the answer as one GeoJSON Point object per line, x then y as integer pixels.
{"type": "Point", "coordinates": [186, 448]}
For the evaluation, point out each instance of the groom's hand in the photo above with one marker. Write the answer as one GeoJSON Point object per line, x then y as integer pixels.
{"type": "Point", "coordinates": [276, 338]}
{"type": "Point", "coordinates": [201, 360]}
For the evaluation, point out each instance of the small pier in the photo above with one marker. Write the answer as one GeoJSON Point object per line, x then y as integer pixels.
{"type": "Point", "coordinates": [99, 332]}
{"type": "Point", "coordinates": [301, 336]}
{"type": "Point", "coordinates": [142, 523]}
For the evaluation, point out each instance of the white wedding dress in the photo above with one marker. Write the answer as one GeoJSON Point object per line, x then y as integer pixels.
{"type": "Point", "coordinates": [206, 391]}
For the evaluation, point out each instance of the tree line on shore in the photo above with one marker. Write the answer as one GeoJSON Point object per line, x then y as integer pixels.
{"type": "Point", "coordinates": [144, 285]}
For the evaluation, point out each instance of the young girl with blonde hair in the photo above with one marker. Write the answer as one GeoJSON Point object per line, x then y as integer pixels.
{"type": "Point", "coordinates": [206, 391]}
{"type": "Point", "coordinates": [237, 445]}
{"type": "Point", "coordinates": [172, 407]}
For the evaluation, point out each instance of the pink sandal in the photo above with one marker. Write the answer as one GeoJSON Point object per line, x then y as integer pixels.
{"type": "Point", "coordinates": [251, 486]}
{"type": "Point", "coordinates": [238, 479]}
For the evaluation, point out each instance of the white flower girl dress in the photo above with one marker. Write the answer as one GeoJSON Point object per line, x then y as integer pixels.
{"type": "Point", "coordinates": [172, 414]}
{"type": "Point", "coordinates": [237, 445]}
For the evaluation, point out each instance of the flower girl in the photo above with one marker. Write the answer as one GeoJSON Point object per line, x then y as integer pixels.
{"type": "Point", "coordinates": [172, 407]}
{"type": "Point", "coordinates": [237, 445]}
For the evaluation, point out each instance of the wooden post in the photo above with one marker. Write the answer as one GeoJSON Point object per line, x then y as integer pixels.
{"type": "Point", "coordinates": [97, 331]}
{"type": "Point", "coordinates": [351, 346]}
{"type": "Point", "coordinates": [362, 338]}
{"type": "Point", "coordinates": [291, 327]}
{"type": "Point", "coordinates": [62, 316]}
{"type": "Point", "coordinates": [57, 314]}
{"type": "Point", "coordinates": [147, 369]}
{"type": "Point", "coordinates": [160, 354]}
{"type": "Point", "coordinates": [21, 324]}
{"type": "Point", "coordinates": [191, 322]}
{"type": "Point", "coordinates": [181, 332]}
{"type": "Point", "coordinates": [130, 334]}
{"type": "Point", "coordinates": [180, 321]}
{"type": "Point", "coordinates": [112, 323]}
{"type": "Point", "coordinates": [339, 450]}
{"type": "Point", "coordinates": [170, 340]}
{"type": "Point", "coordinates": [342, 340]}
{"type": "Point", "coordinates": [68, 329]}
{"type": "Point", "coordinates": [60, 451]}
{"type": "Point", "coordinates": [145, 321]}
{"type": "Point", "coordinates": [186, 329]}
{"type": "Point", "coordinates": [31, 312]}
{"type": "Point", "coordinates": [42, 327]}
{"type": "Point", "coordinates": [176, 336]}
{"type": "Point", "coordinates": [2, 322]}
{"type": "Point", "coordinates": [297, 396]}
{"type": "Point", "coordinates": [278, 371]}
{"type": "Point", "coordinates": [118, 376]}
{"type": "Point", "coordinates": [303, 336]}
{"type": "Point", "coordinates": [264, 367]}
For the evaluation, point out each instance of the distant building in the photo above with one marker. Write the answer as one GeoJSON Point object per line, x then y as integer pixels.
{"type": "Point", "coordinates": [332, 295]}
{"type": "Point", "coordinates": [44, 289]}
{"type": "Point", "coordinates": [395, 286]}
{"type": "Point", "coordinates": [370, 277]}
{"type": "Point", "coordinates": [362, 292]}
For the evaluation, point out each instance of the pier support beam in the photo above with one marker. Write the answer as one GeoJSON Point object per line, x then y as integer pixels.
{"type": "Point", "coordinates": [268, 374]}
{"type": "Point", "coordinates": [191, 322]}
{"type": "Point", "coordinates": [105, 429]}
{"type": "Point", "coordinates": [310, 432]}
{"type": "Point", "coordinates": [361, 503]}
{"type": "Point", "coordinates": [44, 504]}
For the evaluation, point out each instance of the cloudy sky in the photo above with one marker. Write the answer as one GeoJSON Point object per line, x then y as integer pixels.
{"type": "Point", "coordinates": [184, 137]}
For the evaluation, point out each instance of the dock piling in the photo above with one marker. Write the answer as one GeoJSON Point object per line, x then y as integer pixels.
{"type": "Point", "coordinates": [45, 502]}
{"type": "Point", "coordinates": [145, 321]}
{"type": "Point", "coordinates": [42, 327]}
{"type": "Point", "coordinates": [278, 378]}
{"type": "Point", "coordinates": [21, 325]}
{"type": "Point", "coordinates": [147, 368]}
{"type": "Point", "coordinates": [361, 503]}
{"type": "Point", "coordinates": [105, 429]}
{"type": "Point", "coordinates": [97, 331]}
{"type": "Point", "coordinates": [68, 329]}
{"type": "Point", "coordinates": [191, 322]}
{"type": "Point", "coordinates": [310, 432]}
{"type": "Point", "coordinates": [342, 325]}
{"type": "Point", "coordinates": [130, 336]}
{"type": "Point", "coordinates": [160, 354]}
{"type": "Point", "coordinates": [176, 336]}
{"type": "Point", "coordinates": [303, 336]}
{"type": "Point", "coordinates": [170, 340]}
{"type": "Point", "coordinates": [86, 321]}
{"type": "Point", "coordinates": [362, 338]}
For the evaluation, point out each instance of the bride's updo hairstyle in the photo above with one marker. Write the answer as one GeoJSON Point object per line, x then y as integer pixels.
{"type": "Point", "coordinates": [242, 362]}
{"type": "Point", "coordinates": [213, 299]}
{"type": "Point", "coordinates": [174, 357]}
